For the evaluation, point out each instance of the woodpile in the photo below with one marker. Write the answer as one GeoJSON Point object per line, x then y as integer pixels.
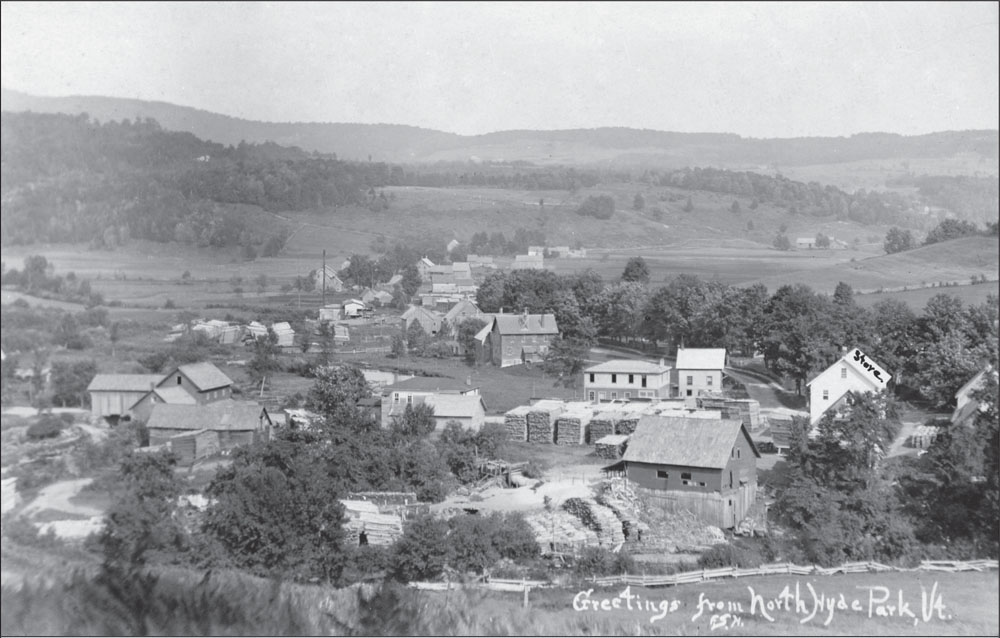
{"type": "Point", "coordinates": [745, 410]}
{"type": "Point", "coordinates": [363, 517]}
{"type": "Point", "coordinates": [617, 495]}
{"type": "Point", "coordinates": [542, 421]}
{"type": "Point", "coordinates": [559, 531]}
{"type": "Point", "coordinates": [598, 518]}
{"type": "Point", "coordinates": [923, 436]}
{"type": "Point", "coordinates": [603, 424]}
{"type": "Point", "coordinates": [516, 422]}
{"type": "Point", "coordinates": [611, 447]}
{"type": "Point", "coordinates": [571, 427]}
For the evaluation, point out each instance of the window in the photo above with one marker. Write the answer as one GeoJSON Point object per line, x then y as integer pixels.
{"type": "Point", "coordinates": [737, 453]}
{"type": "Point", "coordinates": [685, 476]}
{"type": "Point", "coordinates": [662, 474]}
{"type": "Point", "coordinates": [628, 395]}
{"type": "Point", "coordinates": [591, 395]}
{"type": "Point", "coordinates": [730, 483]}
{"type": "Point", "coordinates": [614, 395]}
{"type": "Point", "coordinates": [689, 392]}
{"type": "Point", "coordinates": [826, 395]}
{"type": "Point", "coordinates": [732, 453]}
{"type": "Point", "coordinates": [708, 380]}
{"type": "Point", "coordinates": [591, 377]}
{"type": "Point", "coordinates": [614, 378]}
{"type": "Point", "coordinates": [395, 397]}
{"type": "Point", "coordinates": [644, 381]}
{"type": "Point", "coordinates": [843, 372]}
{"type": "Point", "coordinates": [409, 399]}
{"type": "Point", "coordinates": [631, 378]}
{"type": "Point", "coordinates": [178, 379]}
{"type": "Point", "coordinates": [601, 396]}
{"type": "Point", "coordinates": [690, 380]}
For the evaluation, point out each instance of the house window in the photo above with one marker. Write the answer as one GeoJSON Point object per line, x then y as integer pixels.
{"type": "Point", "coordinates": [614, 395]}
{"type": "Point", "coordinates": [690, 380]}
{"type": "Point", "coordinates": [708, 380]}
{"type": "Point", "coordinates": [730, 483]}
{"type": "Point", "coordinates": [689, 392]}
{"type": "Point", "coordinates": [826, 395]}
{"type": "Point", "coordinates": [628, 395]}
{"type": "Point", "coordinates": [591, 395]}
{"type": "Point", "coordinates": [614, 378]}
{"type": "Point", "coordinates": [737, 453]}
{"type": "Point", "coordinates": [395, 397]}
{"type": "Point", "coordinates": [631, 378]}
{"type": "Point", "coordinates": [662, 474]}
{"type": "Point", "coordinates": [732, 453]}
{"type": "Point", "coordinates": [601, 396]}
{"type": "Point", "coordinates": [409, 399]}
{"type": "Point", "coordinates": [843, 372]}
{"type": "Point", "coordinates": [178, 379]}
{"type": "Point", "coordinates": [591, 377]}
{"type": "Point", "coordinates": [644, 381]}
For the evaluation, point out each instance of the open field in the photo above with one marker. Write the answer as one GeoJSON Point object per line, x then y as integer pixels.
{"type": "Point", "coordinates": [957, 260]}
{"type": "Point", "coordinates": [917, 299]}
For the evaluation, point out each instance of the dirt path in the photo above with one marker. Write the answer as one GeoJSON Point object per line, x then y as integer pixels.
{"type": "Point", "coordinates": [56, 497]}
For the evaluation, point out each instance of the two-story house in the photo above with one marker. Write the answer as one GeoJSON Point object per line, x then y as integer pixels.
{"type": "Point", "coordinates": [854, 372]}
{"type": "Point", "coordinates": [418, 390]}
{"type": "Point", "coordinates": [704, 466]}
{"type": "Point", "coordinates": [517, 339]}
{"type": "Point", "coordinates": [626, 379]}
{"type": "Point", "coordinates": [699, 369]}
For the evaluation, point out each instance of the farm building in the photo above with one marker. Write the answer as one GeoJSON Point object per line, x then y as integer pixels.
{"type": "Point", "coordinates": [462, 310]}
{"type": "Point", "coordinates": [255, 330]}
{"type": "Point", "coordinates": [706, 466]}
{"type": "Point", "coordinates": [354, 308]}
{"type": "Point", "coordinates": [176, 395]}
{"type": "Point", "coordinates": [329, 312]}
{"type": "Point", "coordinates": [233, 422]}
{"type": "Point", "coordinates": [804, 243]}
{"type": "Point", "coordinates": [220, 331]}
{"type": "Point", "coordinates": [626, 379]}
{"type": "Point", "coordinates": [333, 281]}
{"type": "Point", "coordinates": [195, 445]}
{"type": "Point", "coordinates": [517, 339]}
{"type": "Point", "coordinates": [424, 268]}
{"type": "Point", "coordinates": [371, 296]}
{"type": "Point", "coordinates": [414, 391]}
{"type": "Point", "coordinates": [468, 410]}
{"type": "Point", "coordinates": [203, 381]}
{"type": "Point", "coordinates": [699, 369]}
{"type": "Point", "coordinates": [429, 320]}
{"type": "Point", "coordinates": [480, 260]}
{"type": "Point", "coordinates": [966, 406]}
{"type": "Point", "coordinates": [536, 251]}
{"type": "Point", "coordinates": [854, 372]}
{"type": "Point", "coordinates": [115, 394]}
{"type": "Point", "coordinates": [285, 334]}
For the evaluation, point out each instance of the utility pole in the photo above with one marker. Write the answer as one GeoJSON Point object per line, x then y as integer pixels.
{"type": "Point", "coordinates": [323, 277]}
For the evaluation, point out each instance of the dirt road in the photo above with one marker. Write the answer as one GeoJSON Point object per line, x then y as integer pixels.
{"type": "Point", "coordinates": [56, 497]}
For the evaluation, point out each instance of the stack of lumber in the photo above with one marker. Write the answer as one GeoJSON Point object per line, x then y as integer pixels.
{"type": "Point", "coordinates": [561, 532]}
{"type": "Point", "coordinates": [603, 424]}
{"type": "Point", "coordinates": [364, 516]}
{"type": "Point", "coordinates": [516, 422]}
{"type": "Point", "coordinates": [571, 427]}
{"type": "Point", "coordinates": [923, 436]}
{"type": "Point", "coordinates": [666, 404]}
{"type": "Point", "coordinates": [620, 498]}
{"type": "Point", "coordinates": [542, 421]}
{"type": "Point", "coordinates": [745, 410]}
{"type": "Point", "coordinates": [631, 413]}
{"type": "Point", "coordinates": [612, 447]}
{"type": "Point", "coordinates": [598, 518]}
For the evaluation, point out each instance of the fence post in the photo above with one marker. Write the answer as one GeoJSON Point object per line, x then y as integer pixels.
{"type": "Point", "coordinates": [526, 590]}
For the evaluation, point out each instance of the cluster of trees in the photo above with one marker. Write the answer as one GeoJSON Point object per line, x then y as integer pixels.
{"type": "Point", "coordinates": [38, 277]}
{"type": "Point", "coordinates": [513, 175]}
{"type": "Point", "coordinates": [67, 178]}
{"type": "Point", "coordinates": [598, 206]}
{"type": "Point", "coordinates": [973, 198]}
{"type": "Point", "coordinates": [496, 243]}
{"type": "Point", "coordinates": [799, 331]}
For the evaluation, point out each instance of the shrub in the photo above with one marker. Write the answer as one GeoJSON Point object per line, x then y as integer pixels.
{"type": "Point", "coordinates": [47, 427]}
{"type": "Point", "coordinates": [726, 555]}
{"type": "Point", "coordinates": [534, 469]}
{"type": "Point", "coordinates": [598, 561]}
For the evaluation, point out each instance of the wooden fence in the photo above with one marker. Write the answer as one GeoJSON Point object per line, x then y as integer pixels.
{"type": "Point", "coordinates": [789, 568]}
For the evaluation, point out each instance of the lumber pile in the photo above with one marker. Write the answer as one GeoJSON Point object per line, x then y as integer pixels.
{"type": "Point", "coordinates": [363, 517]}
{"type": "Point", "coordinates": [923, 436]}
{"type": "Point", "coordinates": [571, 426]}
{"type": "Point", "coordinates": [516, 422]}
{"type": "Point", "coordinates": [603, 424]}
{"type": "Point", "coordinates": [618, 496]}
{"type": "Point", "coordinates": [612, 447]}
{"type": "Point", "coordinates": [745, 410]}
{"type": "Point", "coordinates": [542, 421]}
{"type": "Point", "coordinates": [559, 531]}
{"type": "Point", "coordinates": [598, 518]}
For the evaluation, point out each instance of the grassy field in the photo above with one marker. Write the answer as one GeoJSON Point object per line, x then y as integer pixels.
{"type": "Point", "coordinates": [957, 260]}
{"type": "Point", "coordinates": [917, 299]}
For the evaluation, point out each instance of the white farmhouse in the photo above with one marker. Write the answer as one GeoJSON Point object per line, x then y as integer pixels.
{"type": "Point", "coordinates": [854, 372]}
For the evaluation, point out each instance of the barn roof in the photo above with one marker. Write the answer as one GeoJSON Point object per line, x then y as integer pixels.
{"type": "Point", "coordinates": [701, 358]}
{"type": "Point", "coordinates": [174, 394]}
{"type": "Point", "coordinates": [204, 375]}
{"type": "Point", "coordinates": [684, 441]}
{"type": "Point", "coordinates": [227, 415]}
{"type": "Point", "coordinates": [123, 382]}
{"type": "Point", "coordinates": [526, 324]}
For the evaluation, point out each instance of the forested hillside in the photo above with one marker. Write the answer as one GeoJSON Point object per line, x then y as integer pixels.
{"type": "Point", "coordinates": [68, 178]}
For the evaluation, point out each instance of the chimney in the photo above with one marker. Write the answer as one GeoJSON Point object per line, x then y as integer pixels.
{"type": "Point", "coordinates": [663, 362]}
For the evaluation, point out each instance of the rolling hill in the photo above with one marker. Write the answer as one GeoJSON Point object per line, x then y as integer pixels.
{"type": "Point", "coordinates": [957, 260]}
{"type": "Point", "coordinates": [621, 146]}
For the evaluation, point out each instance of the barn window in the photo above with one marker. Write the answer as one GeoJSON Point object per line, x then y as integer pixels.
{"type": "Point", "coordinates": [178, 379]}
{"type": "Point", "coordinates": [662, 474]}
{"type": "Point", "coordinates": [843, 372]}
{"type": "Point", "coordinates": [686, 478]}
{"type": "Point", "coordinates": [631, 378]}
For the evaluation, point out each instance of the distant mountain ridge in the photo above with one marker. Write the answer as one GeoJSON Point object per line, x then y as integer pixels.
{"type": "Point", "coordinates": [401, 143]}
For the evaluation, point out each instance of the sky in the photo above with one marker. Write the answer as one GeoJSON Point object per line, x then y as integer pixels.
{"type": "Point", "coordinates": [755, 69]}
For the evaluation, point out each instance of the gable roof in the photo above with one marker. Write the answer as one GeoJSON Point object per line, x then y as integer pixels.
{"type": "Point", "coordinates": [455, 405]}
{"type": "Point", "coordinates": [701, 358]}
{"type": "Point", "coordinates": [226, 415]}
{"type": "Point", "coordinates": [173, 394]}
{"type": "Point", "coordinates": [526, 324]}
{"type": "Point", "coordinates": [629, 366]}
{"type": "Point", "coordinates": [684, 441]}
{"type": "Point", "coordinates": [874, 374]}
{"type": "Point", "coordinates": [123, 382]}
{"type": "Point", "coordinates": [204, 375]}
{"type": "Point", "coordinates": [462, 306]}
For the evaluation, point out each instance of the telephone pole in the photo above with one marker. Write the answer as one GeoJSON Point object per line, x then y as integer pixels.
{"type": "Point", "coordinates": [323, 277]}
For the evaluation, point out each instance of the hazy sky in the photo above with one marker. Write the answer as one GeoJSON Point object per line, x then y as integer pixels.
{"type": "Point", "coordinates": [759, 70]}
